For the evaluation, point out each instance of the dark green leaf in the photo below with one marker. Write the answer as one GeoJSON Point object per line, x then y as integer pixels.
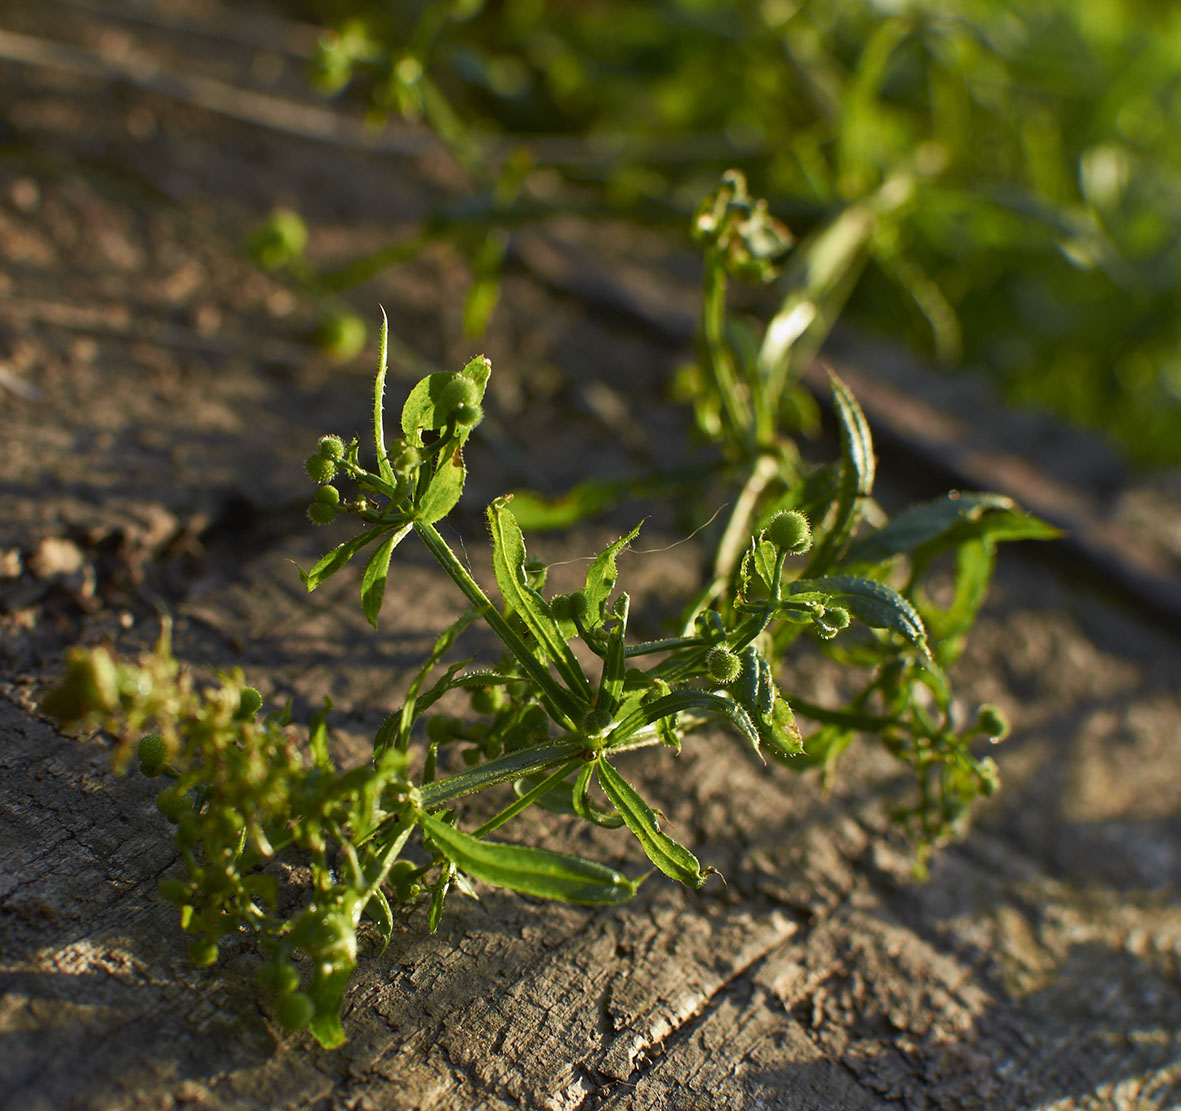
{"type": "Point", "coordinates": [872, 602]}
{"type": "Point", "coordinates": [954, 518]}
{"type": "Point", "coordinates": [686, 700]}
{"type": "Point", "coordinates": [856, 477]}
{"type": "Point", "coordinates": [540, 872]}
{"type": "Point", "coordinates": [672, 858]}
{"type": "Point", "coordinates": [585, 809]}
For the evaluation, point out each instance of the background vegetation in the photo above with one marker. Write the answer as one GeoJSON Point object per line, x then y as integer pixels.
{"type": "Point", "coordinates": [1042, 140]}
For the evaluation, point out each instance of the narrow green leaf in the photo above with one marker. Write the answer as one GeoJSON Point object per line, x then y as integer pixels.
{"type": "Point", "coordinates": [327, 565]}
{"type": "Point", "coordinates": [671, 857]}
{"type": "Point", "coordinates": [856, 474]}
{"type": "Point", "coordinates": [376, 571]}
{"type": "Point", "coordinates": [439, 894]}
{"type": "Point", "coordinates": [669, 705]}
{"type": "Point", "coordinates": [540, 872]}
{"type": "Point", "coordinates": [379, 912]}
{"type": "Point", "coordinates": [602, 576]}
{"type": "Point", "coordinates": [327, 991]}
{"type": "Point", "coordinates": [508, 559]}
{"type": "Point", "coordinates": [951, 520]}
{"type": "Point", "coordinates": [611, 682]}
{"type": "Point", "coordinates": [585, 809]}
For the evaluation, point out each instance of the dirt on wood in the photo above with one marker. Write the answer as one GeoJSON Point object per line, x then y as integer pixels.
{"type": "Point", "coordinates": [157, 395]}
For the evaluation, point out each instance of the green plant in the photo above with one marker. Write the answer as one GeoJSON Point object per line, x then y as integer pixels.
{"type": "Point", "coordinates": [805, 554]}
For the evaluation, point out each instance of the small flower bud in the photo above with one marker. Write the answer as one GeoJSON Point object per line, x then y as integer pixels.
{"type": "Point", "coordinates": [152, 753]}
{"type": "Point", "coordinates": [331, 447]}
{"type": "Point", "coordinates": [320, 468]}
{"type": "Point", "coordinates": [789, 531]}
{"type": "Point", "coordinates": [724, 665]}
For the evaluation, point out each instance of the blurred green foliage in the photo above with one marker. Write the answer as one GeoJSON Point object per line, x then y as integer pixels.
{"type": "Point", "coordinates": [1044, 139]}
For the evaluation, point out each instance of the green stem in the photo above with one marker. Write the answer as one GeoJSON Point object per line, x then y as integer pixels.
{"type": "Point", "coordinates": [561, 705]}
{"type": "Point", "coordinates": [527, 799]}
{"type": "Point", "coordinates": [719, 361]}
{"type": "Point", "coordinates": [736, 536]}
{"type": "Point", "coordinates": [523, 762]}
{"type": "Point", "coordinates": [669, 644]}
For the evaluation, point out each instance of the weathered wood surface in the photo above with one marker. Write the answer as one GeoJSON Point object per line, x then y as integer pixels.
{"type": "Point", "coordinates": [157, 401]}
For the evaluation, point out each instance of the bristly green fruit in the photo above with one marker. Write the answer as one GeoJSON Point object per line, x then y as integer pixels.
{"type": "Point", "coordinates": [152, 753]}
{"type": "Point", "coordinates": [320, 468]}
{"type": "Point", "coordinates": [331, 447]}
{"type": "Point", "coordinates": [724, 665]}
{"type": "Point", "coordinates": [322, 513]}
{"type": "Point", "coordinates": [790, 531]}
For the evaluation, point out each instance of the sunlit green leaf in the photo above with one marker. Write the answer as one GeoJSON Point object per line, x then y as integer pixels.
{"type": "Point", "coordinates": [531, 871]}
{"type": "Point", "coordinates": [672, 858]}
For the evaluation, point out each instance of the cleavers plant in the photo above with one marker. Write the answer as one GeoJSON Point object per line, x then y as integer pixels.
{"type": "Point", "coordinates": [805, 551]}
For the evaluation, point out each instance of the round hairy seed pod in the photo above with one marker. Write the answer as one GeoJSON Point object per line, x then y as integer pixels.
{"type": "Point", "coordinates": [152, 753]}
{"type": "Point", "coordinates": [331, 447]}
{"type": "Point", "coordinates": [321, 513]}
{"type": "Point", "coordinates": [789, 531]}
{"type": "Point", "coordinates": [724, 666]}
{"type": "Point", "coordinates": [320, 468]}
{"type": "Point", "coordinates": [329, 495]}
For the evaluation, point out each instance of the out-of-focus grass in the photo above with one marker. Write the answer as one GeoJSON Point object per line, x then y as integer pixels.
{"type": "Point", "coordinates": [1041, 243]}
